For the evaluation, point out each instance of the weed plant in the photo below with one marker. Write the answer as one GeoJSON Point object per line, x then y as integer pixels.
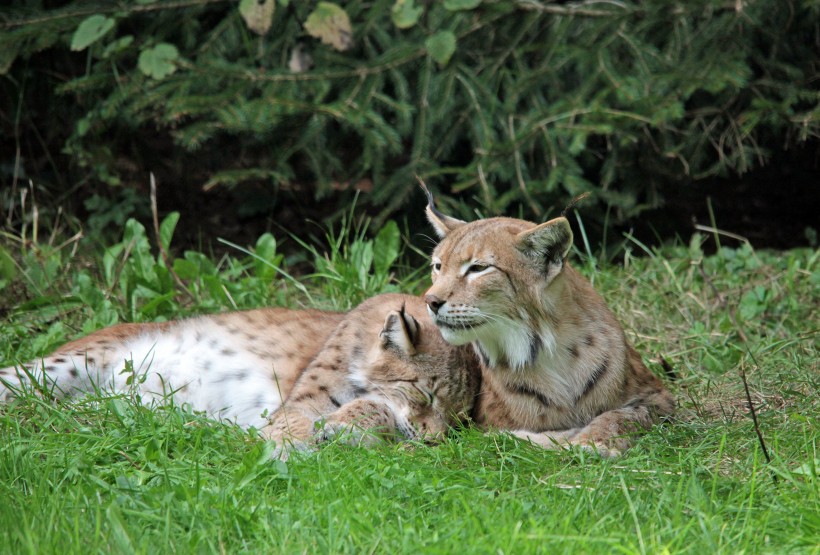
{"type": "Point", "coordinates": [105, 474]}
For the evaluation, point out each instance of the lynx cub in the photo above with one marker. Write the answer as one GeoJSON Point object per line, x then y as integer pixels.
{"type": "Point", "coordinates": [408, 383]}
{"type": "Point", "coordinates": [240, 366]}
{"type": "Point", "coordinates": [556, 366]}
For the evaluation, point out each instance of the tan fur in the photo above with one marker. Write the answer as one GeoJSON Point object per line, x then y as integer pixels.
{"type": "Point", "coordinates": [235, 365]}
{"type": "Point", "coordinates": [408, 384]}
{"type": "Point", "coordinates": [557, 368]}
{"type": "Point", "coordinates": [381, 369]}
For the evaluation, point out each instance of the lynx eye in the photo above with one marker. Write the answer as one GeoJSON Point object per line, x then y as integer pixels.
{"type": "Point", "coordinates": [437, 266]}
{"type": "Point", "coordinates": [477, 268]}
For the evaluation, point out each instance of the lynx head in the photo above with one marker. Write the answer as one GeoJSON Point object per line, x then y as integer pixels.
{"type": "Point", "coordinates": [430, 384]}
{"type": "Point", "coordinates": [494, 284]}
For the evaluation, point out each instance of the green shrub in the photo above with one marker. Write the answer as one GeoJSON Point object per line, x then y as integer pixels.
{"type": "Point", "coordinates": [521, 104]}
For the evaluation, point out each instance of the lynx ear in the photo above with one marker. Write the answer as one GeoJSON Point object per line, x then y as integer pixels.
{"type": "Point", "coordinates": [400, 332]}
{"type": "Point", "coordinates": [549, 242]}
{"type": "Point", "coordinates": [441, 223]}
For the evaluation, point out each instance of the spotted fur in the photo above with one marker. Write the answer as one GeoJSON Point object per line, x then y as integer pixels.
{"type": "Point", "coordinates": [409, 384]}
{"type": "Point", "coordinates": [382, 367]}
{"type": "Point", "coordinates": [557, 368]}
{"type": "Point", "coordinates": [234, 366]}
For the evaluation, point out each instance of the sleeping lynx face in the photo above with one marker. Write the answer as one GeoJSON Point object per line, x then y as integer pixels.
{"type": "Point", "coordinates": [385, 371]}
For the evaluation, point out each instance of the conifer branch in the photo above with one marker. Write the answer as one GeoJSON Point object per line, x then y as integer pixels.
{"type": "Point", "coordinates": [105, 8]}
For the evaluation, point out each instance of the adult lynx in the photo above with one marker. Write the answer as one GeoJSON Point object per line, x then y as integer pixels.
{"type": "Point", "coordinates": [556, 366]}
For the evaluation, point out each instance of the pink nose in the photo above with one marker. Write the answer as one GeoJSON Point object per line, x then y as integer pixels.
{"type": "Point", "coordinates": [433, 302]}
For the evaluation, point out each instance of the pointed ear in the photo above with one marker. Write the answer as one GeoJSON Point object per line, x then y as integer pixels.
{"type": "Point", "coordinates": [400, 332]}
{"type": "Point", "coordinates": [441, 223]}
{"type": "Point", "coordinates": [549, 241]}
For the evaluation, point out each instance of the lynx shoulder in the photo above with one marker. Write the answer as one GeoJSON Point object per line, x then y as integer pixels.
{"type": "Point", "coordinates": [556, 366]}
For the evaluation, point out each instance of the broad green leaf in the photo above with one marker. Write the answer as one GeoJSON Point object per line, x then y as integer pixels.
{"type": "Point", "coordinates": [457, 5]}
{"type": "Point", "coordinates": [7, 57]}
{"type": "Point", "coordinates": [166, 229]}
{"type": "Point", "coordinates": [386, 248]}
{"type": "Point", "coordinates": [185, 269]}
{"type": "Point", "coordinates": [405, 13]}
{"type": "Point", "coordinates": [118, 45]}
{"type": "Point", "coordinates": [258, 15]}
{"type": "Point", "coordinates": [7, 267]}
{"type": "Point", "coordinates": [90, 31]}
{"type": "Point", "coordinates": [266, 260]}
{"type": "Point", "coordinates": [441, 46]}
{"type": "Point", "coordinates": [330, 23]}
{"type": "Point", "coordinates": [158, 62]}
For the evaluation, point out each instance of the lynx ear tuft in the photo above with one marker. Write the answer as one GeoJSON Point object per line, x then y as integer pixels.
{"type": "Point", "coordinates": [441, 223]}
{"type": "Point", "coordinates": [549, 242]}
{"type": "Point", "coordinates": [400, 332]}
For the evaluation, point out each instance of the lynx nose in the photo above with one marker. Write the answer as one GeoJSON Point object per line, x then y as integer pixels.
{"type": "Point", "coordinates": [434, 303]}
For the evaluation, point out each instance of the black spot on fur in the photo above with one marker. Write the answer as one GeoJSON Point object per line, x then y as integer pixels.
{"type": "Point", "coordinates": [358, 352]}
{"type": "Point", "coordinates": [314, 377]}
{"type": "Point", "coordinates": [482, 356]}
{"type": "Point", "coordinates": [636, 402]}
{"type": "Point", "coordinates": [302, 397]}
{"type": "Point", "coordinates": [59, 360]}
{"type": "Point", "coordinates": [589, 340]}
{"type": "Point", "coordinates": [525, 390]}
{"type": "Point", "coordinates": [335, 402]}
{"type": "Point", "coordinates": [535, 347]}
{"type": "Point", "coordinates": [600, 370]}
{"type": "Point", "coordinates": [359, 391]}
{"type": "Point", "coordinates": [50, 368]}
{"type": "Point", "coordinates": [228, 352]}
{"type": "Point", "coordinates": [573, 351]}
{"type": "Point", "coordinates": [323, 388]}
{"type": "Point", "coordinates": [74, 373]}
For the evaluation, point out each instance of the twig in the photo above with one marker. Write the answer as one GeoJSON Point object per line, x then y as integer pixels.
{"type": "Point", "coordinates": [579, 8]}
{"type": "Point", "coordinates": [112, 8]}
{"type": "Point", "coordinates": [162, 251]}
{"type": "Point", "coordinates": [573, 202]}
{"type": "Point", "coordinates": [742, 371]}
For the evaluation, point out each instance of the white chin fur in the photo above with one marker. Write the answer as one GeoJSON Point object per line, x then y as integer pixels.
{"type": "Point", "coordinates": [456, 337]}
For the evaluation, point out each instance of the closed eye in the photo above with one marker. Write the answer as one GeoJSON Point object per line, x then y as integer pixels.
{"type": "Point", "coordinates": [429, 396]}
{"type": "Point", "coordinates": [477, 268]}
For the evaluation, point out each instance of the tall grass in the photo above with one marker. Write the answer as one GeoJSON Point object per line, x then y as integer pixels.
{"type": "Point", "coordinates": [105, 474]}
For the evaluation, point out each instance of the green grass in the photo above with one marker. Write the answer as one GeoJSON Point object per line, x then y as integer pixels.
{"type": "Point", "coordinates": [110, 476]}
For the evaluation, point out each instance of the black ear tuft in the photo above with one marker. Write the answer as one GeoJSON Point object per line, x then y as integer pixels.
{"type": "Point", "coordinates": [411, 325]}
{"type": "Point", "coordinates": [400, 332]}
{"type": "Point", "coordinates": [441, 223]}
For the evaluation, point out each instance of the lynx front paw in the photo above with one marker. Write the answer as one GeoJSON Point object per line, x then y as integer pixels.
{"type": "Point", "coordinates": [284, 449]}
{"type": "Point", "coordinates": [348, 434]}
